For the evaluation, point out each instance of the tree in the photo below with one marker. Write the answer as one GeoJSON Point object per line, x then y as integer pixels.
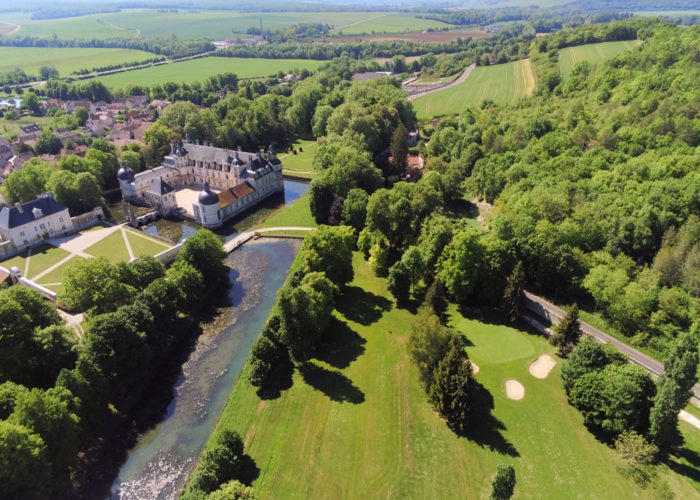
{"type": "Point", "coordinates": [47, 144]}
{"type": "Point", "coordinates": [82, 115]}
{"type": "Point", "coordinates": [589, 356]}
{"type": "Point", "coordinates": [435, 298]}
{"type": "Point", "coordinates": [399, 150]}
{"type": "Point", "coordinates": [461, 267]}
{"type": "Point", "coordinates": [329, 250]}
{"type": "Point", "coordinates": [428, 344]}
{"type": "Point", "coordinates": [32, 104]}
{"type": "Point", "coordinates": [25, 469]}
{"type": "Point", "coordinates": [637, 454]}
{"type": "Point", "coordinates": [220, 464]}
{"type": "Point", "coordinates": [189, 283]}
{"type": "Point", "coordinates": [92, 285]}
{"type": "Point", "coordinates": [504, 483]}
{"type": "Point", "coordinates": [355, 209]}
{"type": "Point", "coordinates": [567, 332]}
{"type": "Point", "coordinates": [233, 490]}
{"type": "Point", "coordinates": [26, 184]}
{"type": "Point", "coordinates": [204, 252]}
{"type": "Point", "coordinates": [48, 72]}
{"type": "Point", "coordinates": [399, 283]}
{"type": "Point", "coordinates": [451, 390]}
{"type": "Point", "coordinates": [674, 391]}
{"type": "Point", "coordinates": [16, 343]}
{"type": "Point", "coordinates": [305, 312]}
{"type": "Point", "coordinates": [9, 391]}
{"type": "Point", "coordinates": [514, 293]}
{"type": "Point", "coordinates": [57, 349]}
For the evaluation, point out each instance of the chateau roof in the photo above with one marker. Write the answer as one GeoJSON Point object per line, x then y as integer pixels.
{"type": "Point", "coordinates": [235, 193]}
{"type": "Point", "coordinates": [160, 187]}
{"type": "Point", "coordinates": [14, 217]}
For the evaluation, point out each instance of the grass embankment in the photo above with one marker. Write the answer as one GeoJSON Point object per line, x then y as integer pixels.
{"type": "Point", "coordinates": [503, 84]}
{"type": "Point", "coordinates": [594, 53]}
{"type": "Point", "coordinates": [302, 163]}
{"type": "Point", "coordinates": [201, 69]}
{"type": "Point", "coordinates": [298, 214]}
{"type": "Point", "coordinates": [360, 425]}
{"type": "Point", "coordinates": [66, 60]}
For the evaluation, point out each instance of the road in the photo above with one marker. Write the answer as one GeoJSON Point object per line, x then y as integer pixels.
{"type": "Point", "coordinates": [553, 313]}
{"type": "Point", "coordinates": [465, 74]}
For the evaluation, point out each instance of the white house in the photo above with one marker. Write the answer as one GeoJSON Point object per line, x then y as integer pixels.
{"type": "Point", "coordinates": [31, 223]}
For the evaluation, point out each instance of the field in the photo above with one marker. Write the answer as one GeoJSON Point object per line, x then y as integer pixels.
{"type": "Point", "coordinates": [594, 53]}
{"type": "Point", "coordinates": [297, 214]}
{"type": "Point", "coordinates": [207, 24]}
{"type": "Point", "coordinates": [10, 128]}
{"type": "Point", "coordinates": [429, 37]}
{"type": "Point", "coordinates": [65, 60]}
{"type": "Point", "coordinates": [503, 84]}
{"type": "Point", "coordinates": [670, 13]}
{"type": "Point", "coordinates": [358, 418]}
{"type": "Point", "coordinates": [300, 164]}
{"type": "Point", "coordinates": [200, 69]}
{"type": "Point", "coordinates": [46, 263]}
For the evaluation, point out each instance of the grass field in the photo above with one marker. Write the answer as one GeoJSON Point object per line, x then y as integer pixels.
{"type": "Point", "coordinates": [10, 128]}
{"type": "Point", "coordinates": [503, 84]}
{"type": "Point", "coordinates": [200, 69]}
{"type": "Point", "coordinates": [298, 214]}
{"type": "Point", "coordinates": [142, 244]}
{"type": "Point", "coordinates": [594, 53]}
{"type": "Point", "coordinates": [358, 424]}
{"type": "Point", "coordinates": [300, 164]}
{"type": "Point", "coordinates": [112, 247]}
{"type": "Point", "coordinates": [65, 60]}
{"type": "Point", "coordinates": [207, 24]}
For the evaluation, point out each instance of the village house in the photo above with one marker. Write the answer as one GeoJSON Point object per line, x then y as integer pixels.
{"type": "Point", "coordinates": [29, 134]}
{"type": "Point", "coordinates": [71, 106]}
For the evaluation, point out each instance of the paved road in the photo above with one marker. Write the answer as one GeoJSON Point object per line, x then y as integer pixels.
{"type": "Point", "coordinates": [553, 313]}
{"type": "Point", "coordinates": [459, 80]}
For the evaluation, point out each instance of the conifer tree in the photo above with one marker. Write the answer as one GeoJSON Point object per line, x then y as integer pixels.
{"type": "Point", "coordinates": [452, 386]}
{"type": "Point", "coordinates": [514, 293]}
{"type": "Point", "coordinates": [567, 333]}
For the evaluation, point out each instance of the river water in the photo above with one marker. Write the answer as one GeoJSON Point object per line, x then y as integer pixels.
{"type": "Point", "coordinates": [158, 466]}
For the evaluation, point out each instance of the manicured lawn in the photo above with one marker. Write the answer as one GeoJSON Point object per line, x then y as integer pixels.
{"type": "Point", "coordinates": [298, 214]}
{"type": "Point", "coordinates": [358, 425]}
{"type": "Point", "coordinates": [18, 260]}
{"type": "Point", "coordinates": [594, 53]}
{"type": "Point", "coordinates": [54, 279]}
{"type": "Point", "coordinates": [145, 245]}
{"type": "Point", "coordinates": [201, 69]}
{"type": "Point", "coordinates": [65, 60]}
{"type": "Point", "coordinates": [302, 163]}
{"type": "Point", "coordinates": [503, 84]}
{"type": "Point", "coordinates": [112, 247]}
{"type": "Point", "coordinates": [43, 257]}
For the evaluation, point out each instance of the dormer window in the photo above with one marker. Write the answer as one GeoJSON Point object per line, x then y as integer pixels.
{"type": "Point", "coordinates": [38, 214]}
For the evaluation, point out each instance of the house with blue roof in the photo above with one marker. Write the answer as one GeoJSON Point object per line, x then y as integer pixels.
{"type": "Point", "coordinates": [28, 224]}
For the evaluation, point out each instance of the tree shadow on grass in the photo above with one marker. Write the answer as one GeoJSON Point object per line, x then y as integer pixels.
{"type": "Point", "coordinates": [485, 429]}
{"type": "Point", "coordinates": [280, 379]}
{"type": "Point", "coordinates": [361, 306]}
{"type": "Point", "coordinates": [332, 383]}
{"type": "Point", "coordinates": [691, 469]}
{"type": "Point", "coordinates": [248, 471]}
{"type": "Point", "coordinates": [340, 345]}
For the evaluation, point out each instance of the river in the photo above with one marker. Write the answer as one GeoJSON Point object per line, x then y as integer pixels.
{"type": "Point", "coordinates": [158, 466]}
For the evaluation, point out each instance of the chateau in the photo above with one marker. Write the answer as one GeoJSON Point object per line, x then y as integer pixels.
{"type": "Point", "coordinates": [206, 184]}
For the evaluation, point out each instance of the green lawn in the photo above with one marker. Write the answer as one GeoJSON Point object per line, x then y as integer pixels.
{"type": "Point", "coordinates": [298, 214]}
{"type": "Point", "coordinates": [206, 24]}
{"type": "Point", "coordinates": [200, 69]}
{"type": "Point", "coordinates": [503, 84]}
{"type": "Point", "coordinates": [300, 164]}
{"type": "Point", "coordinates": [10, 128]}
{"type": "Point", "coordinates": [142, 244]}
{"type": "Point", "coordinates": [362, 424]}
{"type": "Point", "coordinates": [43, 257]}
{"type": "Point", "coordinates": [112, 247]}
{"type": "Point", "coordinates": [594, 53]}
{"type": "Point", "coordinates": [54, 279]}
{"type": "Point", "coordinates": [65, 60]}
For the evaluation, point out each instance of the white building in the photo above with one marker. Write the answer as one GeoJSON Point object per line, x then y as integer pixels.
{"type": "Point", "coordinates": [31, 223]}
{"type": "Point", "coordinates": [230, 182]}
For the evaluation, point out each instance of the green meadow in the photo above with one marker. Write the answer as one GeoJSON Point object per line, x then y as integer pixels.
{"type": "Point", "coordinates": [357, 423]}
{"type": "Point", "coordinates": [502, 83]}
{"type": "Point", "coordinates": [207, 24]}
{"type": "Point", "coordinates": [66, 60]}
{"type": "Point", "coordinates": [593, 53]}
{"type": "Point", "coordinates": [200, 69]}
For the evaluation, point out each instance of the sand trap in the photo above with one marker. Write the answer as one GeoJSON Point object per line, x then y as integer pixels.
{"type": "Point", "coordinates": [475, 367]}
{"type": "Point", "coordinates": [542, 367]}
{"type": "Point", "coordinates": [514, 389]}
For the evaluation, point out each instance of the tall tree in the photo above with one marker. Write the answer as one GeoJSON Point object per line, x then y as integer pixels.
{"type": "Point", "coordinates": [399, 150]}
{"type": "Point", "coordinates": [451, 391]}
{"type": "Point", "coordinates": [25, 469]}
{"type": "Point", "coordinates": [567, 333]}
{"type": "Point", "coordinates": [675, 385]}
{"type": "Point", "coordinates": [329, 250]}
{"type": "Point", "coordinates": [428, 343]}
{"type": "Point", "coordinates": [515, 292]}
{"type": "Point", "coordinates": [204, 252]}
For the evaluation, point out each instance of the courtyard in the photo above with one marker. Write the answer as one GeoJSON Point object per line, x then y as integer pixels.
{"type": "Point", "coordinates": [45, 264]}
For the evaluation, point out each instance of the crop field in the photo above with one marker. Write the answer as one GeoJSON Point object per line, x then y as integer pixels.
{"type": "Point", "coordinates": [424, 36]}
{"type": "Point", "coordinates": [200, 69]}
{"type": "Point", "coordinates": [358, 417]}
{"type": "Point", "coordinates": [208, 24]}
{"type": "Point", "coordinates": [503, 84]}
{"type": "Point", "coordinates": [66, 60]}
{"type": "Point", "coordinates": [594, 53]}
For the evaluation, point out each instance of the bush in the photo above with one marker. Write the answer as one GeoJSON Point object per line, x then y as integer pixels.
{"type": "Point", "coordinates": [504, 483]}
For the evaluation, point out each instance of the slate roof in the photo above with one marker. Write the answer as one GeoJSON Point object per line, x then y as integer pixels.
{"type": "Point", "coordinates": [11, 216]}
{"type": "Point", "coordinates": [159, 186]}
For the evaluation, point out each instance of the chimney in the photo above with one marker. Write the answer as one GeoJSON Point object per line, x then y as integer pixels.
{"type": "Point", "coordinates": [18, 206]}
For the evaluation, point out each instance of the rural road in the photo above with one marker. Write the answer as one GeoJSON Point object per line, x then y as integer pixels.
{"type": "Point", "coordinates": [553, 313]}
{"type": "Point", "coordinates": [465, 74]}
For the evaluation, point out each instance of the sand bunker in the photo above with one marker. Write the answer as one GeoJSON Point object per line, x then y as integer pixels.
{"type": "Point", "coordinates": [514, 389]}
{"type": "Point", "coordinates": [475, 368]}
{"type": "Point", "coordinates": [542, 366]}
